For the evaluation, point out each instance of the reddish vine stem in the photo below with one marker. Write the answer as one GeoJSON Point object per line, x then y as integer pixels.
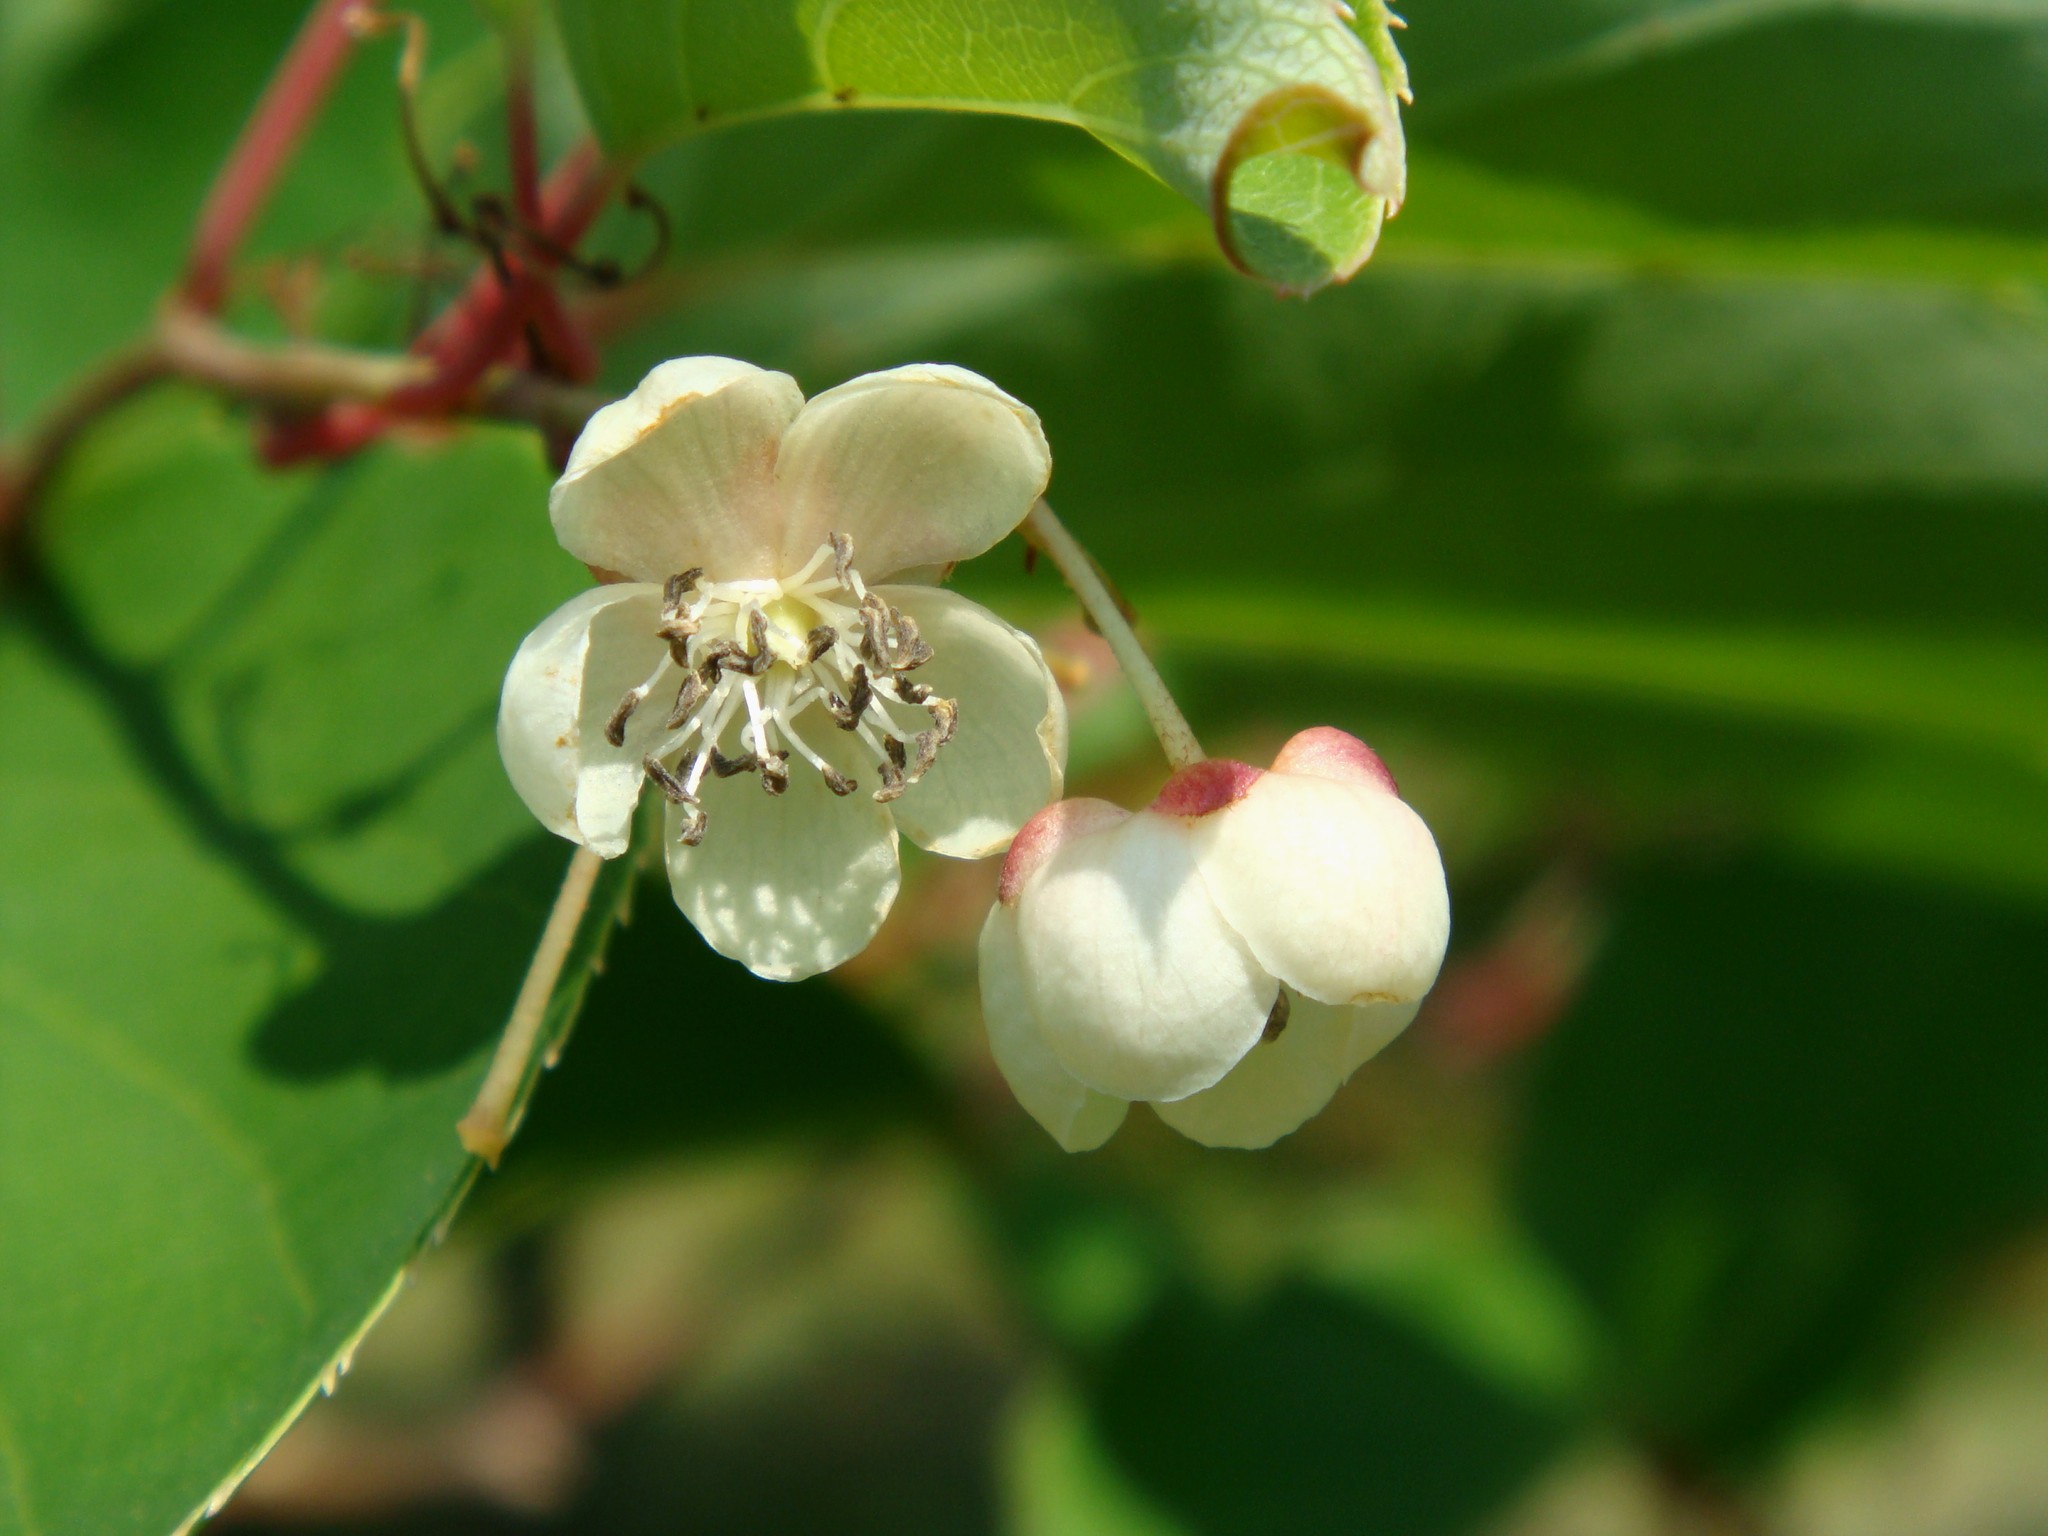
{"type": "Point", "coordinates": [285, 111]}
{"type": "Point", "coordinates": [124, 375]}
{"type": "Point", "coordinates": [522, 131]}
{"type": "Point", "coordinates": [480, 329]}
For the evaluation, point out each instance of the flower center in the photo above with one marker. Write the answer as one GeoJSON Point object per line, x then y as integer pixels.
{"type": "Point", "coordinates": [750, 659]}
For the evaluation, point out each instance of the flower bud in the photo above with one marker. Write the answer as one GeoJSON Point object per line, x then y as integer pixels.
{"type": "Point", "coordinates": [1230, 954]}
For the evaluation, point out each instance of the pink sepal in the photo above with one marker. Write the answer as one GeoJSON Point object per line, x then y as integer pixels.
{"type": "Point", "coordinates": [1328, 753]}
{"type": "Point", "coordinates": [1037, 839]}
{"type": "Point", "coordinates": [1206, 787]}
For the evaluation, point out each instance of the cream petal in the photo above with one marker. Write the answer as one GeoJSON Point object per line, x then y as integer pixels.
{"type": "Point", "coordinates": [1284, 1082]}
{"type": "Point", "coordinates": [788, 885]}
{"type": "Point", "coordinates": [680, 473]}
{"type": "Point", "coordinates": [559, 691]}
{"type": "Point", "coordinates": [1336, 887]}
{"type": "Point", "coordinates": [919, 466]}
{"type": "Point", "coordinates": [1139, 986]}
{"type": "Point", "coordinates": [1008, 758]}
{"type": "Point", "coordinates": [1079, 1118]}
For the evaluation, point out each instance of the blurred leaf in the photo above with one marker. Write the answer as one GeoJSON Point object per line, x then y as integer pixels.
{"type": "Point", "coordinates": [1788, 112]}
{"type": "Point", "coordinates": [1785, 1109]}
{"type": "Point", "coordinates": [687, 1050]}
{"type": "Point", "coordinates": [268, 902]}
{"type": "Point", "coordinates": [1272, 114]}
{"type": "Point", "coordinates": [1735, 532]}
{"type": "Point", "coordinates": [110, 140]}
{"type": "Point", "coordinates": [1307, 1412]}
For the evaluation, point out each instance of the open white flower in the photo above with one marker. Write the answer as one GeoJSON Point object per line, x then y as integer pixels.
{"type": "Point", "coordinates": [794, 714]}
{"type": "Point", "coordinates": [1230, 954]}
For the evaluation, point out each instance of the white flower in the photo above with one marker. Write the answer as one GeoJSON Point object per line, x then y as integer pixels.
{"type": "Point", "coordinates": [1230, 954]}
{"type": "Point", "coordinates": [747, 648]}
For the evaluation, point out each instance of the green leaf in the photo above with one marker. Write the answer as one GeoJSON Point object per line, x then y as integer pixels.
{"type": "Point", "coordinates": [1305, 1411]}
{"type": "Point", "coordinates": [113, 121]}
{"type": "Point", "coordinates": [1738, 526]}
{"type": "Point", "coordinates": [1271, 114]}
{"type": "Point", "coordinates": [1793, 112]}
{"type": "Point", "coordinates": [268, 902]}
{"type": "Point", "coordinates": [1786, 1111]}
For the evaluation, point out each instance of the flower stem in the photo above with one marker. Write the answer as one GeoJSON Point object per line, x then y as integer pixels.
{"type": "Point", "coordinates": [290, 102]}
{"type": "Point", "coordinates": [492, 1119]}
{"type": "Point", "coordinates": [1077, 567]}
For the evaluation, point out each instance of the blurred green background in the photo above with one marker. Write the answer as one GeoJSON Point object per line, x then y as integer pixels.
{"type": "Point", "coordinates": [1665, 502]}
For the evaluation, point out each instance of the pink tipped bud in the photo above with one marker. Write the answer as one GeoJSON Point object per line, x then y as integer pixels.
{"type": "Point", "coordinates": [1206, 788]}
{"type": "Point", "coordinates": [1042, 834]}
{"type": "Point", "coordinates": [1328, 753]}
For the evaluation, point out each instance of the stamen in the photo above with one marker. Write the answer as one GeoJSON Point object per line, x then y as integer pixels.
{"type": "Point", "coordinates": [819, 642]}
{"type": "Point", "coordinates": [911, 646]}
{"type": "Point", "coordinates": [680, 586]}
{"type": "Point", "coordinates": [863, 697]}
{"type": "Point", "coordinates": [715, 655]}
{"type": "Point", "coordinates": [893, 784]}
{"type": "Point", "coordinates": [775, 772]}
{"type": "Point", "coordinates": [666, 782]}
{"type": "Point", "coordinates": [615, 727]}
{"type": "Point", "coordinates": [819, 556]}
{"type": "Point", "coordinates": [755, 720]}
{"type": "Point", "coordinates": [691, 833]}
{"type": "Point", "coordinates": [725, 767]}
{"type": "Point", "coordinates": [909, 692]}
{"type": "Point", "coordinates": [835, 781]}
{"type": "Point", "coordinates": [842, 566]}
{"type": "Point", "coordinates": [1276, 1021]}
{"type": "Point", "coordinates": [688, 697]}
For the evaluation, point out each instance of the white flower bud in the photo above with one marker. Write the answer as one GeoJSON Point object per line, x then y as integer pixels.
{"type": "Point", "coordinates": [1230, 954]}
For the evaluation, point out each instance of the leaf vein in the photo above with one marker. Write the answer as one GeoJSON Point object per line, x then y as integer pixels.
{"type": "Point", "coordinates": [71, 1027]}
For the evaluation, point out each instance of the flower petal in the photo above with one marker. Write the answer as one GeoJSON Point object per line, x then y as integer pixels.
{"type": "Point", "coordinates": [923, 465]}
{"type": "Point", "coordinates": [1008, 758]}
{"type": "Point", "coordinates": [1282, 1083]}
{"type": "Point", "coordinates": [1336, 887]}
{"type": "Point", "coordinates": [560, 690]}
{"type": "Point", "coordinates": [680, 473]}
{"type": "Point", "coordinates": [1139, 986]}
{"type": "Point", "coordinates": [788, 885]}
{"type": "Point", "coordinates": [1079, 1118]}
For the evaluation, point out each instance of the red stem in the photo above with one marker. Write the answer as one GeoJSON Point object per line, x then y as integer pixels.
{"type": "Point", "coordinates": [480, 328]}
{"type": "Point", "coordinates": [246, 179]}
{"type": "Point", "coordinates": [522, 131]}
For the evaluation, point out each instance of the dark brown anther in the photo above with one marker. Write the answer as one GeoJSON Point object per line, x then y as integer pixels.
{"type": "Point", "coordinates": [874, 632]}
{"type": "Point", "coordinates": [839, 783]}
{"type": "Point", "coordinates": [666, 782]}
{"type": "Point", "coordinates": [714, 658]}
{"type": "Point", "coordinates": [691, 833]}
{"type": "Point", "coordinates": [1276, 1021]}
{"type": "Point", "coordinates": [891, 771]}
{"type": "Point", "coordinates": [819, 641]}
{"type": "Point", "coordinates": [615, 728]}
{"type": "Point", "coordinates": [775, 772]}
{"type": "Point", "coordinates": [945, 718]}
{"type": "Point", "coordinates": [688, 697]}
{"type": "Point", "coordinates": [897, 756]}
{"type": "Point", "coordinates": [863, 697]}
{"type": "Point", "coordinates": [725, 767]}
{"type": "Point", "coordinates": [679, 653]}
{"type": "Point", "coordinates": [911, 650]}
{"type": "Point", "coordinates": [680, 586]}
{"type": "Point", "coordinates": [842, 559]}
{"type": "Point", "coordinates": [677, 626]}
{"type": "Point", "coordinates": [924, 751]}
{"type": "Point", "coordinates": [910, 692]}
